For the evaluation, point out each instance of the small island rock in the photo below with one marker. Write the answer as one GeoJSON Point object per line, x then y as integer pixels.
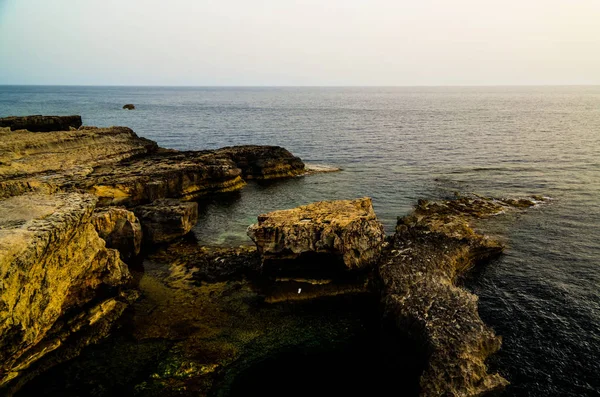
{"type": "Point", "coordinates": [129, 106]}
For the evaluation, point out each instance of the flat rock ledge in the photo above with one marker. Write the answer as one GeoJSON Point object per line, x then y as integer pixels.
{"type": "Point", "coordinates": [326, 233]}
{"type": "Point", "coordinates": [41, 123]}
{"type": "Point", "coordinates": [431, 248]}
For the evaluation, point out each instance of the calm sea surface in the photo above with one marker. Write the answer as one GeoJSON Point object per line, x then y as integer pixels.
{"type": "Point", "coordinates": [397, 145]}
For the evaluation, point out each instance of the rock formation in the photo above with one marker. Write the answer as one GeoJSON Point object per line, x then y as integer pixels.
{"type": "Point", "coordinates": [60, 286]}
{"type": "Point", "coordinates": [40, 123]}
{"type": "Point", "coordinates": [129, 106]}
{"type": "Point", "coordinates": [165, 220]}
{"type": "Point", "coordinates": [432, 247]}
{"type": "Point", "coordinates": [264, 162]}
{"type": "Point", "coordinates": [121, 230]}
{"type": "Point", "coordinates": [343, 232]}
{"type": "Point", "coordinates": [52, 265]}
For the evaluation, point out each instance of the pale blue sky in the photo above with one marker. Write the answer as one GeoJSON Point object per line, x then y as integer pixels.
{"type": "Point", "coordinates": [309, 42]}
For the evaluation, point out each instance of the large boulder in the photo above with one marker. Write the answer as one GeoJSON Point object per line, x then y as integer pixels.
{"type": "Point", "coordinates": [52, 265]}
{"type": "Point", "coordinates": [39, 123]}
{"type": "Point", "coordinates": [121, 230]}
{"type": "Point", "coordinates": [167, 219]}
{"type": "Point", "coordinates": [346, 233]}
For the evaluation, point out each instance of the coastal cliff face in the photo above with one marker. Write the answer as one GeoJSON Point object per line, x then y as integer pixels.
{"type": "Point", "coordinates": [52, 263]}
{"type": "Point", "coordinates": [433, 247]}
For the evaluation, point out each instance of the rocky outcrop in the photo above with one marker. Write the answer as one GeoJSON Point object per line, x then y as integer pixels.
{"type": "Point", "coordinates": [326, 233]}
{"type": "Point", "coordinates": [123, 169]}
{"type": "Point", "coordinates": [57, 278]}
{"type": "Point", "coordinates": [432, 247]}
{"type": "Point", "coordinates": [168, 174]}
{"type": "Point", "coordinates": [50, 162]}
{"type": "Point", "coordinates": [41, 123]}
{"type": "Point", "coordinates": [121, 230]}
{"type": "Point", "coordinates": [264, 162]}
{"type": "Point", "coordinates": [167, 219]}
{"type": "Point", "coordinates": [129, 106]}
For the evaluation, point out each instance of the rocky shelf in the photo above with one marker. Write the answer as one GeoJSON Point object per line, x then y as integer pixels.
{"type": "Point", "coordinates": [92, 218]}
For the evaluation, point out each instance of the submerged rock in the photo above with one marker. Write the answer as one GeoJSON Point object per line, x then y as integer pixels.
{"type": "Point", "coordinates": [39, 123]}
{"type": "Point", "coordinates": [59, 284]}
{"type": "Point", "coordinates": [433, 247]}
{"type": "Point", "coordinates": [165, 220]}
{"type": "Point", "coordinates": [344, 232]}
{"type": "Point", "coordinates": [121, 230]}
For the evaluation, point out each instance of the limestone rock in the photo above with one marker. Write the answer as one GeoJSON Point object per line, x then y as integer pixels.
{"type": "Point", "coordinates": [345, 231]}
{"type": "Point", "coordinates": [167, 174]}
{"type": "Point", "coordinates": [165, 220]}
{"type": "Point", "coordinates": [120, 229]}
{"type": "Point", "coordinates": [129, 106]}
{"type": "Point", "coordinates": [264, 162]}
{"type": "Point", "coordinates": [52, 264]}
{"type": "Point", "coordinates": [62, 158]}
{"type": "Point", "coordinates": [432, 247]}
{"type": "Point", "coordinates": [40, 123]}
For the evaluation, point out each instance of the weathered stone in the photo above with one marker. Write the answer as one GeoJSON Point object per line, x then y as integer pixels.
{"type": "Point", "coordinates": [52, 263]}
{"type": "Point", "coordinates": [344, 230]}
{"type": "Point", "coordinates": [168, 174]}
{"type": "Point", "coordinates": [39, 123]}
{"type": "Point", "coordinates": [432, 247]}
{"type": "Point", "coordinates": [129, 106]}
{"type": "Point", "coordinates": [264, 162]}
{"type": "Point", "coordinates": [120, 229]}
{"type": "Point", "coordinates": [62, 158]}
{"type": "Point", "coordinates": [165, 220]}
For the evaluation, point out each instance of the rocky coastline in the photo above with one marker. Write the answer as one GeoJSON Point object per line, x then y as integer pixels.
{"type": "Point", "coordinates": [95, 222]}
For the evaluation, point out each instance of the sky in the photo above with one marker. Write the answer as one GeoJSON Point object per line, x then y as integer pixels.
{"type": "Point", "coordinates": [300, 43]}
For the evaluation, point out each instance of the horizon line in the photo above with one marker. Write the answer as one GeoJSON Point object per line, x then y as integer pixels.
{"type": "Point", "coordinates": [300, 86]}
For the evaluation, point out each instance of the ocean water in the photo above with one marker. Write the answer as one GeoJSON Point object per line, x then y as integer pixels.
{"type": "Point", "coordinates": [397, 145]}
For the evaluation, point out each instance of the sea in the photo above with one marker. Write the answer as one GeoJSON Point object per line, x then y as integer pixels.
{"type": "Point", "coordinates": [397, 145]}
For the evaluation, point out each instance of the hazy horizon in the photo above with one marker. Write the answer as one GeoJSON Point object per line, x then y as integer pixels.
{"type": "Point", "coordinates": [269, 43]}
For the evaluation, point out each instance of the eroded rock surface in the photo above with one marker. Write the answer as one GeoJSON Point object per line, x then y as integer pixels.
{"type": "Point", "coordinates": [53, 266]}
{"type": "Point", "coordinates": [432, 247]}
{"type": "Point", "coordinates": [168, 174]}
{"type": "Point", "coordinates": [345, 230]}
{"type": "Point", "coordinates": [39, 123]}
{"type": "Point", "coordinates": [58, 161]}
{"type": "Point", "coordinates": [264, 162]}
{"type": "Point", "coordinates": [165, 220]}
{"type": "Point", "coordinates": [121, 230]}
